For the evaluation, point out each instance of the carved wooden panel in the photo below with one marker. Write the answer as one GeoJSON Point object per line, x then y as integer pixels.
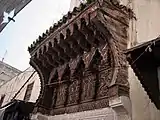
{"type": "Point", "coordinates": [103, 81]}
{"type": "Point", "coordinates": [73, 92]}
{"type": "Point", "coordinates": [88, 83]}
{"type": "Point", "coordinates": [105, 73]}
{"type": "Point", "coordinates": [91, 105]}
{"type": "Point", "coordinates": [61, 95]}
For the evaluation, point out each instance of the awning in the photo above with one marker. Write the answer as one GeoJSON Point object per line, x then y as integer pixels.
{"type": "Point", "coordinates": [144, 60]}
{"type": "Point", "coordinates": [16, 110]}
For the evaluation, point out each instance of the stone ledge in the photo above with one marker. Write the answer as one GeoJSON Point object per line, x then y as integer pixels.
{"type": "Point", "coordinates": [122, 108]}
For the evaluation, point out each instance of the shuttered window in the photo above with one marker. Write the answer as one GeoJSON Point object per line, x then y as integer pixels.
{"type": "Point", "coordinates": [28, 92]}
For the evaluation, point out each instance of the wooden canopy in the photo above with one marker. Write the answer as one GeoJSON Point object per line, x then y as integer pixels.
{"type": "Point", "coordinates": [145, 59]}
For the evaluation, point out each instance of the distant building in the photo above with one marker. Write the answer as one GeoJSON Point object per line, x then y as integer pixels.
{"type": "Point", "coordinates": [7, 72]}
{"type": "Point", "coordinates": [18, 95]}
{"type": "Point", "coordinates": [24, 86]}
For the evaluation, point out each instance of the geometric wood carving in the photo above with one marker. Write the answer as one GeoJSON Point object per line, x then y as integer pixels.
{"type": "Point", "coordinates": [88, 83]}
{"type": "Point", "coordinates": [61, 95]}
{"type": "Point", "coordinates": [73, 92]}
{"type": "Point", "coordinates": [78, 59]}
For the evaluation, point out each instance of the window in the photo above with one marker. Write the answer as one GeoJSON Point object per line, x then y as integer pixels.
{"type": "Point", "coordinates": [28, 92]}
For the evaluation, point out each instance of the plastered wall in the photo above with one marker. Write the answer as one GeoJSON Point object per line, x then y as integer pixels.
{"type": "Point", "coordinates": [144, 27]}
{"type": "Point", "coordinates": [101, 114]}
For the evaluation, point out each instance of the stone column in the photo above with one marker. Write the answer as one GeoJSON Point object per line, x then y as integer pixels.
{"type": "Point", "coordinates": [121, 107]}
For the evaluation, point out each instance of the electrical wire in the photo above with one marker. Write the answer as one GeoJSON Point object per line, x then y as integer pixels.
{"type": "Point", "coordinates": [25, 89]}
{"type": "Point", "coordinates": [148, 47]}
{"type": "Point", "coordinates": [23, 85]}
{"type": "Point", "coordinates": [12, 85]}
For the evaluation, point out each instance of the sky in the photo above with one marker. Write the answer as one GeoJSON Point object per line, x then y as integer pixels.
{"type": "Point", "coordinates": [31, 22]}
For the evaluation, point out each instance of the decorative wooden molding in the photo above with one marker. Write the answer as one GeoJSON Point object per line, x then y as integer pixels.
{"type": "Point", "coordinates": [79, 60]}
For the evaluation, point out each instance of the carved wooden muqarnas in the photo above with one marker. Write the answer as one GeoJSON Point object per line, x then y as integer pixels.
{"type": "Point", "coordinates": [80, 60]}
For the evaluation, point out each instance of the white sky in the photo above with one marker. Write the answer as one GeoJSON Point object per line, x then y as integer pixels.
{"type": "Point", "coordinates": [31, 22]}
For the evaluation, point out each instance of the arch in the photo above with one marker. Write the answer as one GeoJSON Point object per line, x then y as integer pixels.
{"type": "Point", "coordinates": [83, 21]}
{"type": "Point", "coordinates": [66, 73]}
{"type": "Point", "coordinates": [50, 44]}
{"type": "Point", "coordinates": [40, 51]}
{"type": "Point", "coordinates": [61, 36]}
{"type": "Point", "coordinates": [63, 71]}
{"type": "Point", "coordinates": [44, 48]}
{"type": "Point", "coordinates": [68, 32]}
{"type": "Point", "coordinates": [79, 67]}
{"type": "Point", "coordinates": [53, 76]}
{"type": "Point", "coordinates": [75, 26]}
{"type": "Point", "coordinates": [42, 82]}
{"type": "Point", "coordinates": [95, 61]}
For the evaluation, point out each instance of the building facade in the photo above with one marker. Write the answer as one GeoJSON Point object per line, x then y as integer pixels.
{"type": "Point", "coordinates": [7, 72]}
{"type": "Point", "coordinates": [24, 86]}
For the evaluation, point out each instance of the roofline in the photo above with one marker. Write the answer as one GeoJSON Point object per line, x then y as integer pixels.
{"type": "Point", "coordinates": [11, 66]}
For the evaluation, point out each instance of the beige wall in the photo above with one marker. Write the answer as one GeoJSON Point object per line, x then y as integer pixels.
{"type": "Point", "coordinates": [142, 107]}
{"type": "Point", "coordinates": [147, 14]}
{"type": "Point", "coordinates": [11, 87]}
{"type": "Point", "coordinates": [145, 27]}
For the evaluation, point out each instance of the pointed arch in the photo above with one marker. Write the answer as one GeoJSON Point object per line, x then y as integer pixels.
{"type": "Point", "coordinates": [77, 66]}
{"type": "Point", "coordinates": [63, 71]}
{"type": "Point", "coordinates": [95, 61]}
{"type": "Point", "coordinates": [53, 76]}
{"type": "Point", "coordinates": [80, 67]}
